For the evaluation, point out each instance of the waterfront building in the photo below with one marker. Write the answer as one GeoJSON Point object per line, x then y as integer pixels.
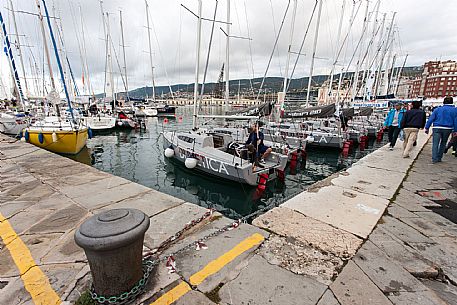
{"type": "Point", "coordinates": [439, 79]}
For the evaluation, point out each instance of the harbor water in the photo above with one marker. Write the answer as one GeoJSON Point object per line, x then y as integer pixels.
{"type": "Point", "coordinates": [138, 156]}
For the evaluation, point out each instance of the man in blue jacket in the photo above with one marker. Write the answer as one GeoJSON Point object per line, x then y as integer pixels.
{"type": "Point", "coordinates": [444, 121]}
{"type": "Point", "coordinates": [393, 122]}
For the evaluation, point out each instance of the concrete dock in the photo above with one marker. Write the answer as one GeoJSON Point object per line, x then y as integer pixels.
{"type": "Point", "coordinates": [381, 232]}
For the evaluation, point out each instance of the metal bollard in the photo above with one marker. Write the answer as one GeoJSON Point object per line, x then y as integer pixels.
{"type": "Point", "coordinates": [113, 243]}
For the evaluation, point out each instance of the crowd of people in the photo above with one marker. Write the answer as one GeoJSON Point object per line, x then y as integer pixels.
{"type": "Point", "coordinates": [407, 123]}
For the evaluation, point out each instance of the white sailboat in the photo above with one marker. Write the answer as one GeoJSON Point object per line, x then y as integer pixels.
{"type": "Point", "coordinates": [216, 153]}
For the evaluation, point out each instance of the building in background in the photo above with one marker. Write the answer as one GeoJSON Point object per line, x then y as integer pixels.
{"type": "Point", "coordinates": [404, 88]}
{"type": "Point", "coordinates": [439, 79]}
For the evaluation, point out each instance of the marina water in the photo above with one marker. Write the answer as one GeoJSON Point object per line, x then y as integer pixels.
{"type": "Point", "coordinates": [138, 156]}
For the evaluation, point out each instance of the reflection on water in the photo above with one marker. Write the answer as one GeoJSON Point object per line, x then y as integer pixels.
{"type": "Point", "coordinates": [138, 156]}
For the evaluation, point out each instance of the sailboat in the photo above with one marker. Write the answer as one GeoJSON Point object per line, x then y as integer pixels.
{"type": "Point", "coordinates": [65, 135]}
{"type": "Point", "coordinates": [216, 153]}
{"type": "Point", "coordinates": [12, 122]}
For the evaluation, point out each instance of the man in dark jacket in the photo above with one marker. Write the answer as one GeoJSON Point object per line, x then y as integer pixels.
{"type": "Point", "coordinates": [444, 121]}
{"type": "Point", "coordinates": [412, 121]}
{"type": "Point", "coordinates": [255, 143]}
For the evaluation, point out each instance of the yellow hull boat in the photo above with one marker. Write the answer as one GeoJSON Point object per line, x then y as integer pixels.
{"type": "Point", "coordinates": [63, 142]}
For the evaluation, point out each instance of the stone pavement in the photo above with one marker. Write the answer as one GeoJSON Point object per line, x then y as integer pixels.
{"type": "Point", "coordinates": [367, 235]}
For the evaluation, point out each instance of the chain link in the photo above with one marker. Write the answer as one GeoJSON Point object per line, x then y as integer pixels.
{"type": "Point", "coordinates": [129, 296]}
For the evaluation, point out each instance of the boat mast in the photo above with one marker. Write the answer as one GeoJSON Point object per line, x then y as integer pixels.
{"type": "Point", "coordinates": [357, 68]}
{"type": "Point", "coordinates": [227, 58]}
{"type": "Point", "coordinates": [385, 81]}
{"type": "Point", "coordinates": [197, 64]}
{"type": "Point", "coordinates": [106, 46]}
{"type": "Point", "coordinates": [399, 75]}
{"type": "Point", "coordinates": [84, 63]}
{"type": "Point", "coordinates": [338, 38]}
{"type": "Point", "coordinates": [19, 47]}
{"type": "Point", "coordinates": [392, 70]}
{"type": "Point", "coordinates": [110, 59]}
{"type": "Point", "coordinates": [316, 35]}
{"type": "Point", "coordinates": [12, 64]}
{"type": "Point", "coordinates": [125, 61]}
{"type": "Point", "coordinates": [46, 49]}
{"type": "Point", "coordinates": [289, 50]}
{"type": "Point", "coordinates": [384, 52]}
{"type": "Point", "coordinates": [58, 61]}
{"type": "Point", "coordinates": [150, 52]}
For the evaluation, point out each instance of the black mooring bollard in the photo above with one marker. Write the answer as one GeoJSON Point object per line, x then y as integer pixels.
{"type": "Point", "coordinates": [113, 243]}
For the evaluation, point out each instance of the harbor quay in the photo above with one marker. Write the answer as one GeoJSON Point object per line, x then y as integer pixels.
{"type": "Point", "coordinates": [380, 232]}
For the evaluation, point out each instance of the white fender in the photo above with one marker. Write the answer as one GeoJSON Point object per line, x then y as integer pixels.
{"type": "Point", "coordinates": [190, 162]}
{"type": "Point", "coordinates": [54, 137]}
{"type": "Point", "coordinates": [169, 152]}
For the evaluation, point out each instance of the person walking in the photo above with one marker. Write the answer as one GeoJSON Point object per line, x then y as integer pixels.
{"type": "Point", "coordinates": [393, 122]}
{"type": "Point", "coordinates": [412, 121]}
{"type": "Point", "coordinates": [444, 121]}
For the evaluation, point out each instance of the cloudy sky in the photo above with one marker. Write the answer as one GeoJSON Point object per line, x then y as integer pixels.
{"type": "Point", "coordinates": [424, 29]}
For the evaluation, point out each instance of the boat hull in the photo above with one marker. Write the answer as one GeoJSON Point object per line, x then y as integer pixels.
{"type": "Point", "coordinates": [99, 122]}
{"type": "Point", "coordinates": [11, 126]}
{"type": "Point", "coordinates": [68, 142]}
{"type": "Point", "coordinates": [242, 173]}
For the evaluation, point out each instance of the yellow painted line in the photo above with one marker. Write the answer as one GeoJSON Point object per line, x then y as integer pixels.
{"type": "Point", "coordinates": [226, 258]}
{"type": "Point", "coordinates": [211, 268]}
{"type": "Point", "coordinates": [173, 295]}
{"type": "Point", "coordinates": [35, 281]}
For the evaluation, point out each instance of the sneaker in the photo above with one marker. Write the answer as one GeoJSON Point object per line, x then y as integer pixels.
{"type": "Point", "coordinates": [391, 148]}
{"type": "Point", "coordinates": [262, 161]}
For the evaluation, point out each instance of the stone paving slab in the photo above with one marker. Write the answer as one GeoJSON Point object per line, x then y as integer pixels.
{"type": "Point", "coordinates": [446, 291]}
{"type": "Point", "coordinates": [166, 224]}
{"type": "Point", "coordinates": [61, 220]}
{"type": "Point", "coordinates": [261, 283]}
{"type": "Point", "coordinates": [416, 298]}
{"type": "Point", "coordinates": [353, 287]}
{"type": "Point", "coordinates": [14, 292]}
{"type": "Point", "coordinates": [195, 298]}
{"type": "Point", "coordinates": [444, 224]}
{"type": "Point", "coordinates": [398, 211]}
{"type": "Point", "coordinates": [404, 255]}
{"type": "Point", "coordinates": [426, 227]}
{"type": "Point", "coordinates": [386, 274]}
{"type": "Point", "coordinates": [300, 258]}
{"type": "Point", "coordinates": [411, 201]}
{"type": "Point", "coordinates": [151, 203]}
{"type": "Point", "coordinates": [378, 182]}
{"type": "Point", "coordinates": [328, 299]}
{"type": "Point", "coordinates": [403, 231]}
{"type": "Point", "coordinates": [351, 211]}
{"type": "Point", "coordinates": [439, 255]}
{"type": "Point", "coordinates": [309, 231]}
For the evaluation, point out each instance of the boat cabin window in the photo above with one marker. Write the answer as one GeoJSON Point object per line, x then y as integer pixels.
{"type": "Point", "coordinates": [186, 139]}
{"type": "Point", "coordinates": [218, 141]}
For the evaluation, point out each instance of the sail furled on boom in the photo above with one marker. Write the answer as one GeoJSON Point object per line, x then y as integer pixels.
{"type": "Point", "coordinates": [260, 110]}
{"type": "Point", "coordinates": [312, 112]}
{"type": "Point", "coordinates": [364, 111]}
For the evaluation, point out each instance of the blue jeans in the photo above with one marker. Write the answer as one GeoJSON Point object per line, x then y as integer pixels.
{"type": "Point", "coordinates": [440, 137]}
